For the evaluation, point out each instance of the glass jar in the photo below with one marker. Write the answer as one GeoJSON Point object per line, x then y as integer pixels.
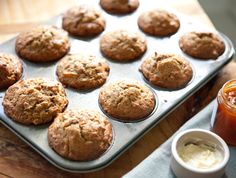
{"type": "Point", "coordinates": [224, 116]}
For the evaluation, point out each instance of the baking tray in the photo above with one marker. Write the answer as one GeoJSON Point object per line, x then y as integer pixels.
{"type": "Point", "coordinates": [125, 134]}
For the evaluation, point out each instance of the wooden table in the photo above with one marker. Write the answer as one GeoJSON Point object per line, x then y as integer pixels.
{"type": "Point", "coordinates": [19, 160]}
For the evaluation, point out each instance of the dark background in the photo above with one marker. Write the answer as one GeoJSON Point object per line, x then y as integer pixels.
{"type": "Point", "coordinates": [223, 15]}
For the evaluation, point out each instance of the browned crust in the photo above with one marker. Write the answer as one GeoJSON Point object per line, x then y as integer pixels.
{"type": "Point", "coordinates": [43, 44]}
{"type": "Point", "coordinates": [11, 70]}
{"type": "Point", "coordinates": [34, 101]}
{"type": "Point", "coordinates": [82, 71]}
{"type": "Point", "coordinates": [159, 22]}
{"type": "Point", "coordinates": [127, 100]}
{"type": "Point", "coordinates": [80, 135]}
{"type": "Point", "coordinates": [119, 6]}
{"type": "Point", "coordinates": [202, 45]}
{"type": "Point", "coordinates": [122, 45]}
{"type": "Point", "coordinates": [83, 21]}
{"type": "Point", "coordinates": [167, 70]}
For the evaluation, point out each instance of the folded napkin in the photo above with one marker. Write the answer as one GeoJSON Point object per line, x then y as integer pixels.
{"type": "Point", "coordinates": [157, 165]}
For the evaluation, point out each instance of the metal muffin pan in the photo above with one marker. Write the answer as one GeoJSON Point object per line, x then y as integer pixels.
{"type": "Point", "coordinates": [125, 134]}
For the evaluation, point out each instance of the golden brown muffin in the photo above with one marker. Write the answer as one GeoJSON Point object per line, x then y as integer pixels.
{"type": "Point", "coordinates": [119, 6]}
{"type": "Point", "coordinates": [202, 45]}
{"type": "Point", "coordinates": [83, 21]}
{"type": "Point", "coordinates": [158, 22]}
{"type": "Point", "coordinates": [11, 70]}
{"type": "Point", "coordinates": [122, 45]}
{"type": "Point", "coordinates": [167, 70]}
{"type": "Point", "coordinates": [80, 135]}
{"type": "Point", "coordinates": [43, 44]}
{"type": "Point", "coordinates": [34, 101]}
{"type": "Point", "coordinates": [127, 100]}
{"type": "Point", "coordinates": [82, 71]}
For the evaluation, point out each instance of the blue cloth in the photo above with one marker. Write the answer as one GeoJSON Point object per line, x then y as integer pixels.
{"type": "Point", "coordinates": [157, 165]}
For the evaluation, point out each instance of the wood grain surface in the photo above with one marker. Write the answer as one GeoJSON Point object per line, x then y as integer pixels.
{"type": "Point", "coordinates": [19, 160]}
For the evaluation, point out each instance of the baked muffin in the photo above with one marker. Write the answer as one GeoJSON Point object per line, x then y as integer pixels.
{"type": "Point", "coordinates": [119, 6]}
{"type": "Point", "coordinates": [11, 70]}
{"type": "Point", "coordinates": [83, 21]}
{"type": "Point", "coordinates": [34, 101]}
{"type": "Point", "coordinates": [167, 70]}
{"type": "Point", "coordinates": [202, 45]}
{"type": "Point", "coordinates": [80, 135]}
{"type": "Point", "coordinates": [127, 100]}
{"type": "Point", "coordinates": [158, 22]}
{"type": "Point", "coordinates": [82, 71]}
{"type": "Point", "coordinates": [43, 44]}
{"type": "Point", "coordinates": [122, 45]}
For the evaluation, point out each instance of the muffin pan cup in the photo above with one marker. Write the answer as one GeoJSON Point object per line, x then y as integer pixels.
{"type": "Point", "coordinates": [125, 133]}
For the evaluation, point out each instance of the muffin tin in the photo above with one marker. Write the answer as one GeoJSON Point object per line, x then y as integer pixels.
{"type": "Point", "coordinates": [125, 134]}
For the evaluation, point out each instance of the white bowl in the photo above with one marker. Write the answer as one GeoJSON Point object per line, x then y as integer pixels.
{"type": "Point", "coordinates": [183, 170]}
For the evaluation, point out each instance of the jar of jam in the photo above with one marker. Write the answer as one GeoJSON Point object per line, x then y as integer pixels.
{"type": "Point", "coordinates": [224, 117]}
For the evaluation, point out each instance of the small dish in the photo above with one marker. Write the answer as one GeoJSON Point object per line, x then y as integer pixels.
{"type": "Point", "coordinates": [211, 158]}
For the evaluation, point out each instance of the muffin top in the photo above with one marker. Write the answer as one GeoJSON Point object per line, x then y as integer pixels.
{"type": "Point", "coordinates": [167, 70]}
{"type": "Point", "coordinates": [158, 22]}
{"type": "Point", "coordinates": [83, 21]}
{"type": "Point", "coordinates": [122, 45]}
{"type": "Point", "coordinates": [127, 100]}
{"type": "Point", "coordinates": [34, 101]}
{"type": "Point", "coordinates": [119, 6]}
{"type": "Point", "coordinates": [202, 45]}
{"type": "Point", "coordinates": [82, 71]}
{"type": "Point", "coordinates": [80, 135]}
{"type": "Point", "coordinates": [11, 70]}
{"type": "Point", "coordinates": [43, 44]}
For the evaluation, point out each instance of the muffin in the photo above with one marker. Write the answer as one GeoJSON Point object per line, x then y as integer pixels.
{"type": "Point", "coordinates": [11, 70]}
{"type": "Point", "coordinates": [167, 70]}
{"type": "Point", "coordinates": [34, 101]}
{"type": "Point", "coordinates": [127, 100]}
{"type": "Point", "coordinates": [119, 6]}
{"type": "Point", "coordinates": [82, 71]}
{"type": "Point", "coordinates": [83, 21]}
{"type": "Point", "coordinates": [43, 44]}
{"type": "Point", "coordinates": [122, 45]}
{"type": "Point", "coordinates": [80, 135]}
{"type": "Point", "coordinates": [202, 45]}
{"type": "Point", "coordinates": [158, 22]}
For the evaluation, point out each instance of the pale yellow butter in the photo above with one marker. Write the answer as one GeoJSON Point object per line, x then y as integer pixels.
{"type": "Point", "coordinates": [200, 155]}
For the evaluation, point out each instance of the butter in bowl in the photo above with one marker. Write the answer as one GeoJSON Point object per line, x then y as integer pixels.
{"type": "Point", "coordinates": [198, 153]}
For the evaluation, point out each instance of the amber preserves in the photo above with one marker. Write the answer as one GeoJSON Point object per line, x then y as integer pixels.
{"type": "Point", "coordinates": [224, 123]}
